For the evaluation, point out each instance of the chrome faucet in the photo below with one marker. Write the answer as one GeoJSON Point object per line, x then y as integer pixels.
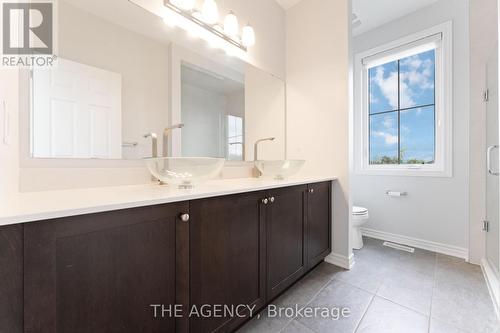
{"type": "Point", "coordinates": [256, 154]}
{"type": "Point", "coordinates": [154, 143]}
{"type": "Point", "coordinates": [256, 147]}
{"type": "Point", "coordinates": [154, 147]}
{"type": "Point", "coordinates": [166, 133]}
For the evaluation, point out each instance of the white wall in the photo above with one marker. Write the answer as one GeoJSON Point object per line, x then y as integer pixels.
{"type": "Point", "coordinates": [265, 114]}
{"type": "Point", "coordinates": [317, 100]}
{"type": "Point", "coordinates": [483, 41]}
{"type": "Point", "coordinates": [436, 209]}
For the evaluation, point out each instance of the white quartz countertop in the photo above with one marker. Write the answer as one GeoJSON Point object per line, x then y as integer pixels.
{"type": "Point", "coordinates": [37, 206]}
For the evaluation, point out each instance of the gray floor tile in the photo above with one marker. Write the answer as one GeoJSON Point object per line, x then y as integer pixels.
{"type": "Point", "coordinates": [458, 272]}
{"type": "Point", "coordinates": [308, 287]}
{"type": "Point", "coordinates": [299, 294]}
{"type": "Point", "coordinates": [421, 262]}
{"type": "Point", "coordinates": [410, 289]}
{"type": "Point", "coordinates": [365, 275]}
{"type": "Point", "coordinates": [263, 323]}
{"type": "Point", "coordinates": [468, 308]}
{"type": "Point", "coordinates": [339, 295]}
{"type": "Point", "coordinates": [296, 327]}
{"type": "Point", "coordinates": [384, 316]}
{"type": "Point", "coordinates": [438, 326]}
{"type": "Point", "coordinates": [373, 250]}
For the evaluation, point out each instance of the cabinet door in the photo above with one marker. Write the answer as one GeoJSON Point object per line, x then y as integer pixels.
{"type": "Point", "coordinates": [101, 272]}
{"type": "Point", "coordinates": [227, 258]}
{"type": "Point", "coordinates": [11, 278]}
{"type": "Point", "coordinates": [318, 222]}
{"type": "Point", "coordinates": [286, 256]}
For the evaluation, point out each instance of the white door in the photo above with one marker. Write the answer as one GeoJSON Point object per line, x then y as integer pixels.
{"type": "Point", "coordinates": [76, 112]}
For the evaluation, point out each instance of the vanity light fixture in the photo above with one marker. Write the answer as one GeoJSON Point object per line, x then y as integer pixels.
{"type": "Point", "coordinates": [210, 12]}
{"type": "Point", "coordinates": [248, 36]}
{"type": "Point", "coordinates": [184, 4]}
{"type": "Point", "coordinates": [231, 27]}
{"type": "Point", "coordinates": [205, 24]}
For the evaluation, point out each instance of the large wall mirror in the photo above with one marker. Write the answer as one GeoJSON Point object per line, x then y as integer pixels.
{"type": "Point", "coordinates": [121, 79]}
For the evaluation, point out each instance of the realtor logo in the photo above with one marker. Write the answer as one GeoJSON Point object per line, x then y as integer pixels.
{"type": "Point", "coordinates": [28, 33]}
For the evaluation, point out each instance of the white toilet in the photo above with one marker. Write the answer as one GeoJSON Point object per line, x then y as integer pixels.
{"type": "Point", "coordinates": [359, 218]}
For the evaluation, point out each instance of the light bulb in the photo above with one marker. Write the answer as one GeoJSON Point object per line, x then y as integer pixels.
{"type": "Point", "coordinates": [210, 12]}
{"type": "Point", "coordinates": [183, 4]}
{"type": "Point", "coordinates": [248, 36]}
{"type": "Point", "coordinates": [231, 27]}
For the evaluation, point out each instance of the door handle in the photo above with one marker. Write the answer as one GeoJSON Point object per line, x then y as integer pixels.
{"type": "Point", "coordinates": [488, 160]}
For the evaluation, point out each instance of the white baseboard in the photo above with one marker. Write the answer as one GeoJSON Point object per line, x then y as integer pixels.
{"type": "Point", "coordinates": [450, 250]}
{"type": "Point", "coordinates": [340, 260]}
{"type": "Point", "coordinates": [493, 284]}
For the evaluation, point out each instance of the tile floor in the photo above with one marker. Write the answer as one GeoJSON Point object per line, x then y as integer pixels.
{"type": "Point", "coordinates": [389, 291]}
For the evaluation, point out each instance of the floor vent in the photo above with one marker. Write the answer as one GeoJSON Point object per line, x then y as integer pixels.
{"type": "Point", "coordinates": [399, 247]}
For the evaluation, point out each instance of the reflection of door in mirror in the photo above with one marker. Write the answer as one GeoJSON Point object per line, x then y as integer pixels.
{"type": "Point", "coordinates": [213, 111]}
{"type": "Point", "coordinates": [76, 112]}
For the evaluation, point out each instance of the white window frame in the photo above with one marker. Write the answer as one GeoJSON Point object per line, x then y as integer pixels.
{"type": "Point", "coordinates": [442, 167]}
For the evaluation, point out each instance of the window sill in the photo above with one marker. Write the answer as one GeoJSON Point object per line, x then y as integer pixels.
{"type": "Point", "coordinates": [405, 172]}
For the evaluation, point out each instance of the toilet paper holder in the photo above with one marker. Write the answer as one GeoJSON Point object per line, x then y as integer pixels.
{"type": "Point", "coordinates": [396, 193]}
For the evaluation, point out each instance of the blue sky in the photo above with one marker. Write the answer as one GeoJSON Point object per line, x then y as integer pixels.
{"type": "Point", "coordinates": [414, 93]}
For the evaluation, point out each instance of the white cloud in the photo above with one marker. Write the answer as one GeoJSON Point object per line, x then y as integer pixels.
{"type": "Point", "coordinates": [388, 122]}
{"type": "Point", "coordinates": [388, 138]}
{"type": "Point", "coordinates": [388, 86]}
{"type": "Point", "coordinates": [418, 75]}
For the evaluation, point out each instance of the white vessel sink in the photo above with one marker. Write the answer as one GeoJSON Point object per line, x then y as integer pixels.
{"type": "Point", "coordinates": [184, 171]}
{"type": "Point", "coordinates": [279, 169]}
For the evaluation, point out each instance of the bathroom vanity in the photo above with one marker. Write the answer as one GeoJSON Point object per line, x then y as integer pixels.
{"type": "Point", "coordinates": [103, 271]}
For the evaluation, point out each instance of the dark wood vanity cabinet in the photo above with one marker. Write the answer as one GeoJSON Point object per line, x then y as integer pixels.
{"type": "Point", "coordinates": [249, 248]}
{"type": "Point", "coordinates": [319, 226]}
{"type": "Point", "coordinates": [105, 272]}
{"type": "Point", "coordinates": [101, 272]}
{"type": "Point", "coordinates": [11, 278]}
{"type": "Point", "coordinates": [227, 257]}
{"type": "Point", "coordinates": [298, 233]}
{"type": "Point", "coordinates": [286, 238]}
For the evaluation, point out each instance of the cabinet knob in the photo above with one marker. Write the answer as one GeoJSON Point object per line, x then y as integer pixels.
{"type": "Point", "coordinates": [271, 199]}
{"type": "Point", "coordinates": [311, 190]}
{"type": "Point", "coordinates": [265, 201]}
{"type": "Point", "coordinates": [184, 217]}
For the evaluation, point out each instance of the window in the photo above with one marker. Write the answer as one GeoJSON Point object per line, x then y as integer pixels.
{"type": "Point", "coordinates": [235, 138]}
{"type": "Point", "coordinates": [402, 110]}
{"type": "Point", "coordinates": [403, 114]}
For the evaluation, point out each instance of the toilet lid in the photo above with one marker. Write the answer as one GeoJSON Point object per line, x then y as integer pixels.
{"type": "Point", "coordinates": [359, 210]}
